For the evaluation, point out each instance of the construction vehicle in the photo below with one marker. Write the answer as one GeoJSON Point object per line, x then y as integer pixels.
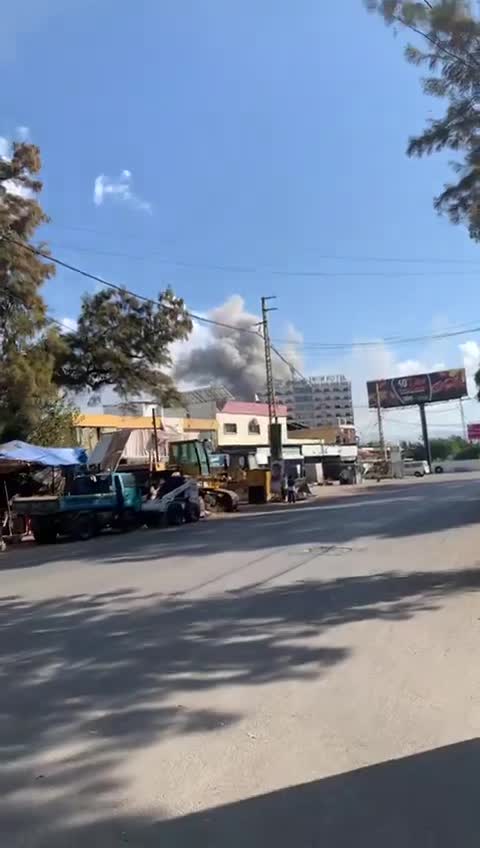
{"type": "Point", "coordinates": [190, 458]}
{"type": "Point", "coordinates": [241, 473]}
{"type": "Point", "coordinates": [178, 501]}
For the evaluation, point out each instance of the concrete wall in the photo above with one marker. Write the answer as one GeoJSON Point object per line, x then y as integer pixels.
{"type": "Point", "coordinates": [457, 464]}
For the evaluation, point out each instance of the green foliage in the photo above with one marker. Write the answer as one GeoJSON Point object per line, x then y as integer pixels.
{"type": "Point", "coordinates": [440, 448]}
{"type": "Point", "coordinates": [469, 452]}
{"type": "Point", "coordinates": [447, 448]}
{"type": "Point", "coordinates": [454, 447]}
{"type": "Point", "coordinates": [27, 343]}
{"type": "Point", "coordinates": [122, 341]}
{"type": "Point", "coordinates": [413, 450]}
{"type": "Point", "coordinates": [55, 426]}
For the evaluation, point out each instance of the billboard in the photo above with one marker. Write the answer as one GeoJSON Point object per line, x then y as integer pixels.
{"type": "Point", "coordinates": [418, 388]}
{"type": "Point", "coordinates": [473, 432]}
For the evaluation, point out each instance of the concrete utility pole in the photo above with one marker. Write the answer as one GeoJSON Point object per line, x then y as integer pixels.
{"type": "Point", "coordinates": [462, 416]}
{"type": "Point", "coordinates": [274, 429]}
{"type": "Point", "coordinates": [426, 440]}
{"type": "Point", "coordinates": [272, 407]}
{"type": "Point", "coordinates": [381, 436]}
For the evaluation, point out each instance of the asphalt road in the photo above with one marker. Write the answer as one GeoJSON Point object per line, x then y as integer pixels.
{"type": "Point", "coordinates": [301, 676]}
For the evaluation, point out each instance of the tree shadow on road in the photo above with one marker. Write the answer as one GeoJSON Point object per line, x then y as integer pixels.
{"type": "Point", "coordinates": [86, 680]}
{"type": "Point", "coordinates": [394, 512]}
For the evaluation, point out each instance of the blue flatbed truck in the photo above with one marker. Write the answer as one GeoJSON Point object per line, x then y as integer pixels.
{"type": "Point", "coordinates": [93, 503]}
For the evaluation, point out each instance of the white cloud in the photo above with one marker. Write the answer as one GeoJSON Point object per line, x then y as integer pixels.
{"type": "Point", "coordinates": [5, 148]}
{"type": "Point", "coordinates": [471, 360]}
{"type": "Point", "coordinates": [12, 186]}
{"type": "Point", "coordinates": [119, 188]}
{"type": "Point", "coordinates": [409, 366]}
{"type": "Point", "coordinates": [22, 133]}
{"type": "Point", "coordinates": [69, 324]}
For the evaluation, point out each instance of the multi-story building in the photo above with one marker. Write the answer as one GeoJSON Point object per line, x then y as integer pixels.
{"type": "Point", "coordinates": [316, 401]}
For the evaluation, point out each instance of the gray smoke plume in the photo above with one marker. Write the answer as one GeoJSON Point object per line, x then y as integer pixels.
{"type": "Point", "coordinates": [235, 359]}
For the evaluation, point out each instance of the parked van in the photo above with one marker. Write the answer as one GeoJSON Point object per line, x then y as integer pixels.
{"type": "Point", "coordinates": [415, 468]}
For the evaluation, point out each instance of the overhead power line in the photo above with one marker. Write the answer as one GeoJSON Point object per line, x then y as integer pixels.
{"type": "Point", "coordinates": [325, 346]}
{"type": "Point", "coordinates": [120, 288]}
{"type": "Point", "coordinates": [289, 272]}
{"type": "Point", "coordinates": [211, 321]}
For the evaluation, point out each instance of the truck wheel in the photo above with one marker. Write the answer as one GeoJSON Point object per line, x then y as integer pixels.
{"type": "Point", "coordinates": [192, 512]}
{"type": "Point", "coordinates": [152, 519]}
{"type": "Point", "coordinates": [83, 527]}
{"type": "Point", "coordinates": [175, 514]}
{"type": "Point", "coordinates": [438, 469]}
{"type": "Point", "coordinates": [45, 534]}
{"type": "Point", "coordinates": [127, 520]}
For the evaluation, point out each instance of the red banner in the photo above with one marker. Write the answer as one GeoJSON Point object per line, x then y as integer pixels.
{"type": "Point", "coordinates": [473, 431]}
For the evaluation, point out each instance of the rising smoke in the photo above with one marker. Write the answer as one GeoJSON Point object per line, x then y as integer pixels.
{"type": "Point", "coordinates": [234, 359]}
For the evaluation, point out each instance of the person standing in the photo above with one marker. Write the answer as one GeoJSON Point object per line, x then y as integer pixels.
{"type": "Point", "coordinates": [291, 489]}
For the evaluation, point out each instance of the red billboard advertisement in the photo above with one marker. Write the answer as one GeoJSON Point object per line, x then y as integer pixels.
{"type": "Point", "coordinates": [418, 388]}
{"type": "Point", "coordinates": [473, 432]}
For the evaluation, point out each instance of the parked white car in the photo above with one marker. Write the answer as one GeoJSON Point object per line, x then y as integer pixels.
{"type": "Point", "coordinates": [415, 468]}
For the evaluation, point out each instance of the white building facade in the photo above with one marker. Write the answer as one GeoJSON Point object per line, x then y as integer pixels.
{"type": "Point", "coordinates": [316, 401]}
{"type": "Point", "coordinates": [247, 424]}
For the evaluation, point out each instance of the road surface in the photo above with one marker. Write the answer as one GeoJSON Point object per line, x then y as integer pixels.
{"type": "Point", "coordinates": [300, 676]}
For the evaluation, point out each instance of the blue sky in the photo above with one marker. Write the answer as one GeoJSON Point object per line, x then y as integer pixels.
{"type": "Point", "coordinates": [260, 135]}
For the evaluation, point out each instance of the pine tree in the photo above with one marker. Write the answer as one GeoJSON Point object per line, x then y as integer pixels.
{"type": "Point", "coordinates": [27, 343]}
{"type": "Point", "coordinates": [448, 33]}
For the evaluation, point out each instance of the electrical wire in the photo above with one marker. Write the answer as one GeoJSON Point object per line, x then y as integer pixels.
{"type": "Point", "coordinates": [119, 288]}
{"type": "Point", "coordinates": [286, 272]}
{"type": "Point", "coordinates": [379, 343]}
{"type": "Point", "coordinates": [201, 318]}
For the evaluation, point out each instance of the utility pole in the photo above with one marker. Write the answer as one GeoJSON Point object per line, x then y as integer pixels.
{"type": "Point", "coordinates": [155, 436]}
{"type": "Point", "coordinates": [462, 416]}
{"type": "Point", "coordinates": [426, 440]}
{"type": "Point", "coordinates": [381, 436]}
{"type": "Point", "coordinates": [272, 406]}
{"type": "Point", "coordinates": [274, 428]}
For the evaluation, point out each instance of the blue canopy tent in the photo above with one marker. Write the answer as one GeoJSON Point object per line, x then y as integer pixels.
{"type": "Point", "coordinates": [17, 451]}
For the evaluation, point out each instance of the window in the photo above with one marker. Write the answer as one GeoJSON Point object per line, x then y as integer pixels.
{"type": "Point", "coordinates": [229, 429]}
{"type": "Point", "coordinates": [253, 427]}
